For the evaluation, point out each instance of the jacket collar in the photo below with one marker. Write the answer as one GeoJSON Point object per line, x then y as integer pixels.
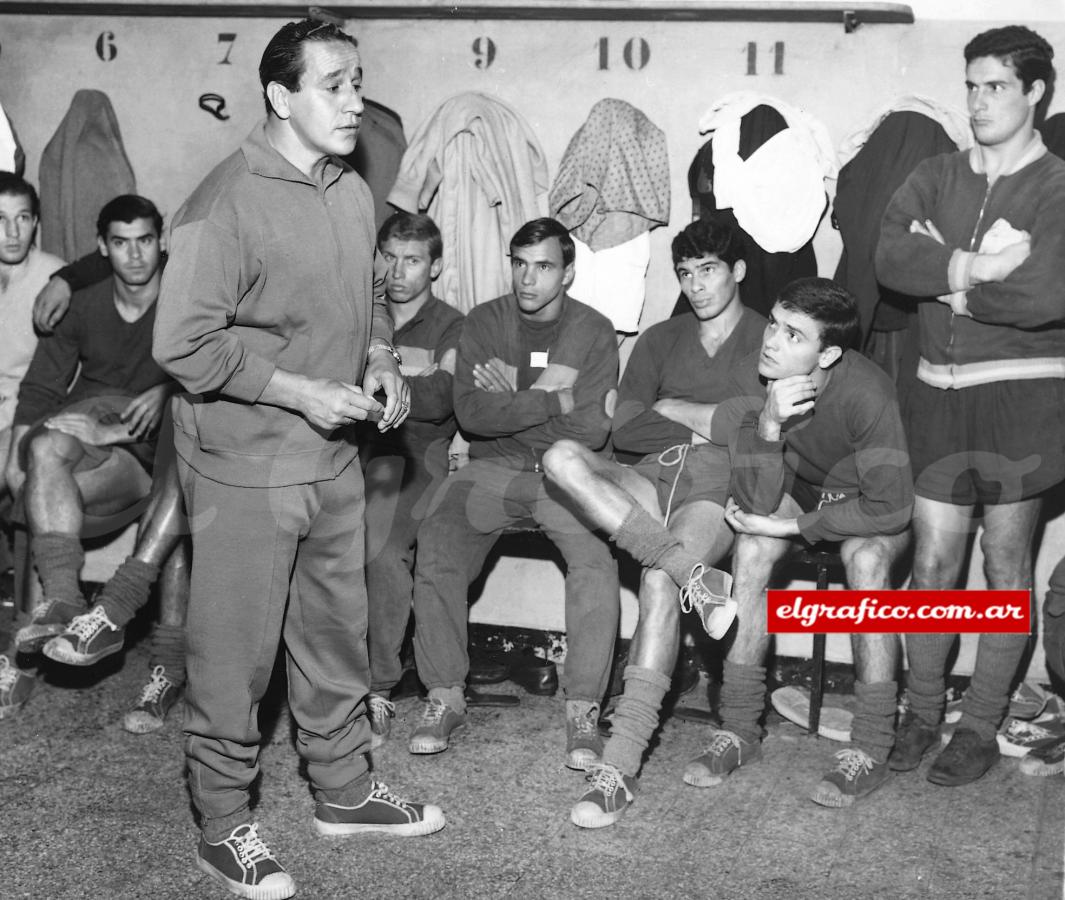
{"type": "Point", "coordinates": [264, 160]}
{"type": "Point", "coordinates": [1035, 149]}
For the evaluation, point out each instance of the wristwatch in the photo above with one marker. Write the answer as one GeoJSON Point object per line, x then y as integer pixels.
{"type": "Point", "coordinates": [388, 348]}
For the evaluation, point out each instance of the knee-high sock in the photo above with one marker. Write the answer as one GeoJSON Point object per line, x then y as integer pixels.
{"type": "Point", "coordinates": [873, 729]}
{"type": "Point", "coordinates": [651, 544]}
{"type": "Point", "coordinates": [127, 590]}
{"type": "Point", "coordinates": [926, 684]}
{"type": "Point", "coordinates": [168, 651]}
{"type": "Point", "coordinates": [743, 700]}
{"type": "Point", "coordinates": [988, 696]}
{"type": "Point", "coordinates": [59, 558]}
{"type": "Point", "coordinates": [636, 718]}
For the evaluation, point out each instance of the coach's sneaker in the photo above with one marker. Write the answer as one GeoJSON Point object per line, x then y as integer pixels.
{"type": "Point", "coordinates": [16, 685]}
{"type": "Point", "coordinates": [1043, 761]}
{"type": "Point", "coordinates": [88, 638]}
{"type": "Point", "coordinates": [913, 739]}
{"type": "Point", "coordinates": [383, 812]}
{"type": "Point", "coordinates": [381, 713]}
{"type": "Point", "coordinates": [856, 774]}
{"type": "Point", "coordinates": [709, 593]}
{"type": "Point", "coordinates": [245, 865]}
{"type": "Point", "coordinates": [157, 697]}
{"type": "Point", "coordinates": [434, 730]}
{"type": "Point", "coordinates": [584, 744]}
{"type": "Point", "coordinates": [609, 795]}
{"type": "Point", "coordinates": [726, 752]}
{"type": "Point", "coordinates": [48, 620]}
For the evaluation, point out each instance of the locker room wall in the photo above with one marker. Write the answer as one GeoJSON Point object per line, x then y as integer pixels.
{"type": "Point", "coordinates": [155, 71]}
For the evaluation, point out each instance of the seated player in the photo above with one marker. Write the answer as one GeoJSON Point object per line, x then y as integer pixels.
{"type": "Point", "coordinates": [403, 466]}
{"type": "Point", "coordinates": [162, 554]}
{"type": "Point", "coordinates": [534, 366]}
{"type": "Point", "coordinates": [24, 269]}
{"type": "Point", "coordinates": [823, 458]}
{"type": "Point", "coordinates": [90, 448]}
{"type": "Point", "coordinates": [667, 510]}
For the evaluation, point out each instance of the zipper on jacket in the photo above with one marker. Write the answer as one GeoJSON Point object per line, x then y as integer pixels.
{"type": "Point", "coordinates": [972, 247]}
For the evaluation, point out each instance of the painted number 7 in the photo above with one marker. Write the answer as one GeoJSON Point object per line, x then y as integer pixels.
{"type": "Point", "coordinates": [227, 37]}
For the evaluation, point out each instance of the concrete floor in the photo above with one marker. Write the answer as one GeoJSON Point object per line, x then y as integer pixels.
{"type": "Point", "coordinates": [87, 810]}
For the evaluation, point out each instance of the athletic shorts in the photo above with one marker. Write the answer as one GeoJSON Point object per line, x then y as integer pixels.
{"type": "Point", "coordinates": [991, 443]}
{"type": "Point", "coordinates": [704, 475]}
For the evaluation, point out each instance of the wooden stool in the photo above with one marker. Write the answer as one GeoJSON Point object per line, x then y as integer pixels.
{"type": "Point", "coordinates": [824, 558]}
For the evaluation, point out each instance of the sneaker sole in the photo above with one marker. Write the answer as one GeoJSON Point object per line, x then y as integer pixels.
{"type": "Point", "coordinates": [580, 760]}
{"type": "Point", "coordinates": [8, 712]}
{"type": "Point", "coordinates": [62, 652]}
{"type": "Point", "coordinates": [281, 889]}
{"type": "Point", "coordinates": [33, 637]}
{"type": "Point", "coordinates": [427, 746]}
{"type": "Point", "coordinates": [140, 722]}
{"type": "Point", "coordinates": [703, 781]}
{"type": "Point", "coordinates": [433, 820]}
{"type": "Point", "coordinates": [831, 797]}
{"type": "Point", "coordinates": [588, 815]}
{"type": "Point", "coordinates": [718, 623]}
{"type": "Point", "coordinates": [1041, 769]}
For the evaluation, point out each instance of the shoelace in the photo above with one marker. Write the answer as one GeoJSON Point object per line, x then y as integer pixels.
{"type": "Point", "coordinates": [853, 763]}
{"type": "Point", "coordinates": [155, 686]}
{"type": "Point", "coordinates": [8, 674]}
{"type": "Point", "coordinates": [87, 626]}
{"type": "Point", "coordinates": [434, 711]}
{"type": "Point", "coordinates": [250, 847]}
{"type": "Point", "coordinates": [380, 707]}
{"type": "Point", "coordinates": [694, 593]}
{"type": "Point", "coordinates": [722, 741]}
{"type": "Point", "coordinates": [605, 778]}
{"type": "Point", "coordinates": [383, 792]}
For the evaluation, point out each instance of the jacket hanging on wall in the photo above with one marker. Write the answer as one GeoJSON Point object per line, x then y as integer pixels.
{"type": "Point", "coordinates": [777, 192]}
{"type": "Point", "coordinates": [1053, 131]}
{"type": "Point", "coordinates": [612, 188]}
{"type": "Point", "coordinates": [479, 171]}
{"type": "Point", "coordinates": [83, 166]}
{"type": "Point", "coordinates": [12, 159]}
{"type": "Point", "coordinates": [378, 153]}
{"type": "Point", "coordinates": [767, 273]}
{"type": "Point", "coordinates": [865, 186]}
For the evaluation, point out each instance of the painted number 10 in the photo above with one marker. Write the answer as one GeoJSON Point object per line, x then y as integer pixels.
{"type": "Point", "coordinates": [636, 53]}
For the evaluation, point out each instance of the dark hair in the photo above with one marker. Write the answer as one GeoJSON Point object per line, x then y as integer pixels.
{"type": "Point", "coordinates": [10, 183]}
{"type": "Point", "coordinates": [1029, 54]}
{"type": "Point", "coordinates": [406, 226]}
{"type": "Point", "coordinates": [828, 304]}
{"type": "Point", "coordinates": [283, 59]}
{"type": "Point", "coordinates": [540, 230]}
{"type": "Point", "coordinates": [710, 236]}
{"type": "Point", "coordinates": [128, 208]}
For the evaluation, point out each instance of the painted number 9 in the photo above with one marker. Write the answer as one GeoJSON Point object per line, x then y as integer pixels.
{"type": "Point", "coordinates": [484, 52]}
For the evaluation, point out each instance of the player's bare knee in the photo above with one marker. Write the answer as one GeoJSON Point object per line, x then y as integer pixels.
{"type": "Point", "coordinates": [564, 460]}
{"type": "Point", "coordinates": [51, 449]}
